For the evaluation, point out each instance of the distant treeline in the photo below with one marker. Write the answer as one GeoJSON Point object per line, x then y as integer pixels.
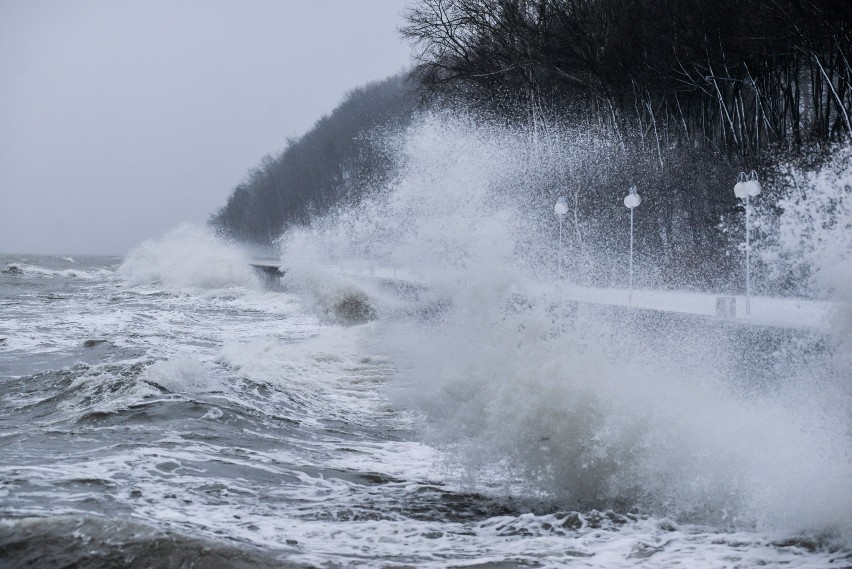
{"type": "Point", "coordinates": [333, 162]}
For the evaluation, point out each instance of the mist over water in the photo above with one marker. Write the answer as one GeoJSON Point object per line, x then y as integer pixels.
{"type": "Point", "coordinates": [584, 406]}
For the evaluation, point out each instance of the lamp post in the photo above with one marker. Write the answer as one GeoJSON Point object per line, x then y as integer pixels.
{"type": "Point", "coordinates": [747, 187]}
{"type": "Point", "coordinates": [631, 201]}
{"type": "Point", "coordinates": [560, 209]}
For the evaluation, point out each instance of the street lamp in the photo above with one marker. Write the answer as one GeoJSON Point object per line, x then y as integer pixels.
{"type": "Point", "coordinates": [631, 201]}
{"type": "Point", "coordinates": [745, 188]}
{"type": "Point", "coordinates": [560, 209]}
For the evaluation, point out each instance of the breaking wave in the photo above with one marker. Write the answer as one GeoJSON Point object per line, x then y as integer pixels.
{"type": "Point", "coordinates": [188, 257]}
{"type": "Point", "coordinates": [594, 407]}
{"type": "Point", "coordinates": [27, 270]}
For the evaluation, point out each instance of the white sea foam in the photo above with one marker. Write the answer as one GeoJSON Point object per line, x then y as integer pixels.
{"type": "Point", "coordinates": [326, 369]}
{"type": "Point", "coordinates": [182, 373]}
{"type": "Point", "coordinates": [100, 389]}
{"type": "Point", "coordinates": [188, 257]}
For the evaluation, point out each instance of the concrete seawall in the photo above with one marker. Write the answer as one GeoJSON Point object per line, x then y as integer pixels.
{"type": "Point", "coordinates": [755, 353]}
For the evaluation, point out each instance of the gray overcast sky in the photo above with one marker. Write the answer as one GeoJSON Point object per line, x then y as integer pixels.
{"type": "Point", "coordinates": [121, 118]}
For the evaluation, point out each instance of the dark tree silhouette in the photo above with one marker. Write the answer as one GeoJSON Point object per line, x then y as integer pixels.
{"type": "Point", "coordinates": [737, 75]}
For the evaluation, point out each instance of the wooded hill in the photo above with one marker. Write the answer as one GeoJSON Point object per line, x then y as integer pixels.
{"type": "Point", "coordinates": [335, 161]}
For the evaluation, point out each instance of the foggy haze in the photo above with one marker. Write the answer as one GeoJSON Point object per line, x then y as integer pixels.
{"type": "Point", "coordinates": [119, 120]}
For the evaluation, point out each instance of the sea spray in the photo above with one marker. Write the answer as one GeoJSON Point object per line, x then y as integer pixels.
{"type": "Point", "coordinates": [188, 256]}
{"type": "Point", "coordinates": [596, 409]}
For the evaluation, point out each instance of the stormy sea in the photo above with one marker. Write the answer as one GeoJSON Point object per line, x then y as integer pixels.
{"type": "Point", "coordinates": [408, 383]}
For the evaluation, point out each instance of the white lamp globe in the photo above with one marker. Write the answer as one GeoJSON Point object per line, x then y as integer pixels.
{"type": "Point", "coordinates": [741, 190]}
{"type": "Point", "coordinates": [752, 188]}
{"type": "Point", "coordinates": [561, 208]}
{"type": "Point", "coordinates": [632, 200]}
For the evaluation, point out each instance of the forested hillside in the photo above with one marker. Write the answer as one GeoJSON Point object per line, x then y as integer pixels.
{"type": "Point", "coordinates": [335, 160]}
{"type": "Point", "coordinates": [675, 97]}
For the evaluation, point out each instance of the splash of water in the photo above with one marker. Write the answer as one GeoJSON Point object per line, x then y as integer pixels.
{"type": "Point", "coordinates": [188, 257]}
{"type": "Point", "coordinates": [594, 408]}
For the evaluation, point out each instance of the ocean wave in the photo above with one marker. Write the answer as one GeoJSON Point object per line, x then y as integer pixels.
{"type": "Point", "coordinates": [102, 542]}
{"type": "Point", "coordinates": [188, 257]}
{"type": "Point", "coordinates": [26, 270]}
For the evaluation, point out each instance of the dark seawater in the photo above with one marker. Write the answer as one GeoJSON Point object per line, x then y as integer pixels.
{"type": "Point", "coordinates": [207, 421]}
